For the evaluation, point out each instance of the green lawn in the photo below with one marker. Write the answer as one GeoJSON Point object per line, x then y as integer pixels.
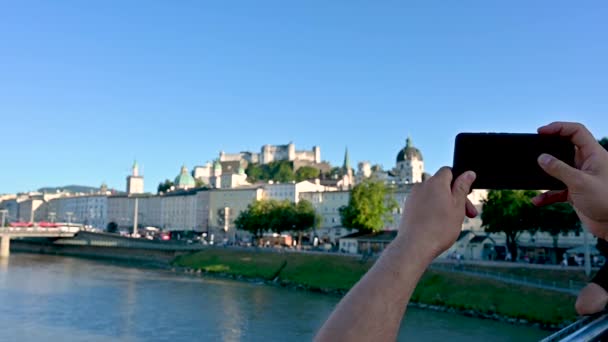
{"type": "Point", "coordinates": [490, 296]}
{"type": "Point", "coordinates": [335, 272]}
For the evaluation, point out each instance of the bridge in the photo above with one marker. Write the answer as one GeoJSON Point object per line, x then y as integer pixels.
{"type": "Point", "coordinates": [7, 233]}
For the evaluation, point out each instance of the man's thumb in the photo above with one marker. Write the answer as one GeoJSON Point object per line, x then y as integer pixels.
{"type": "Point", "coordinates": [462, 185]}
{"type": "Point", "coordinates": [558, 169]}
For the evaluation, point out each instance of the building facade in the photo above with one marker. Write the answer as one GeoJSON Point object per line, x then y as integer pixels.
{"type": "Point", "coordinates": [224, 207]}
{"type": "Point", "coordinates": [135, 182]}
{"type": "Point", "coordinates": [271, 153]}
{"type": "Point", "coordinates": [88, 210]}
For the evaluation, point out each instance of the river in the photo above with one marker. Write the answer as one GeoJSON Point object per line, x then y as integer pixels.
{"type": "Point", "coordinates": [53, 298]}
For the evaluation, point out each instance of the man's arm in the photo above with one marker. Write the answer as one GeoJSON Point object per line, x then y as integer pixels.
{"type": "Point", "coordinates": [372, 310]}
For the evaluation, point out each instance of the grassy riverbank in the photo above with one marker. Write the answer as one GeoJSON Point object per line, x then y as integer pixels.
{"type": "Point", "coordinates": [335, 273]}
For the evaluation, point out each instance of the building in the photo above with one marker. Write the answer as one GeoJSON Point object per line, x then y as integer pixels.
{"type": "Point", "coordinates": [366, 243]}
{"type": "Point", "coordinates": [184, 180]}
{"type": "Point", "coordinates": [203, 173]}
{"type": "Point", "coordinates": [472, 246]}
{"type": "Point", "coordinates": [135, 182]}
{"type": "Point", "coordinates": [291, 191]}
{"type": "Point", "coordinates": [224, 207]}
{"type": "Point", "coordinates": [121, 210]}
{"type": "Point", "coordinates": [179, 210]}
{"type": "Point", "coordinates": [88, 210]}
{"type": "Point", "coordinates": [327, 204]}
{"type": "Point", "coordinates": [410, 166]}
{"type": "Point", "coordinates": [271, 153]}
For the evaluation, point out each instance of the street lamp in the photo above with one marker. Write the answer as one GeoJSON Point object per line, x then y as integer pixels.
{"type": "Point", "coordinates": [4, 213]}
{"type": "Point", "coordinates": [69, 214]}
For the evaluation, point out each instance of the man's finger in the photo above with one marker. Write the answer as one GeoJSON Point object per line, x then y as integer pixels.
{"type": "Point", "coordinates": [444, 175]}
{"type": "Point", "coordinates": [576, 132]}
{"type": "Point", "coordinates": [560, 170]}
{"type": "Point", "coordinates": [550, 197]}
{"type": "Point", "coordinates": [462, 185]}
{"type": "Point", "coordinates": [470, 209]}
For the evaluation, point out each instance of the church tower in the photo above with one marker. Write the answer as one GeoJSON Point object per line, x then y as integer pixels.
{"type": "Point", "coordinates": [348, 178]}
{"type": "Point", "coordinates": [410, 165]}
{"type": "Point", "coordinates": [135, 182]}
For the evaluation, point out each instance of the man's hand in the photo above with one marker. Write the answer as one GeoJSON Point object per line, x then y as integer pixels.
{"type": "Point", "coordinates": [434, 211]}
{"type": "Point", "coordinates": [587, 182]}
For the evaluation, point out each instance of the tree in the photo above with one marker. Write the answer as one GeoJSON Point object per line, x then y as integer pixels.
{"type": "Point", "coordinates": [255, 173]}
{"type": "Point", "coordinates": [604, 142]}
{"type": "Point", "coordinates": [250, 219]}
{"type": "Point", "coordinates": [306, 218]}
{"type": "Point", "coordinates": [199, 183]}
{"type": "Point", "coordinates": [510, 212]}
{"type": "Point", "coordinates": [278, 171]}
{"type": "Point", "coordinates": [335, 173]}
{"type": "Point", "coordinates": [284, 173]}
{"type": "Point", "coordinates": [112, 227]}
{"type": "Point", "coordinates": [306, 172]}
{"type": "Point", "coordinates": [165, 186]}
{"type": "Point", "coordinates": [369, 207]}
{"type": "Point", "coordinates": [557, 219]}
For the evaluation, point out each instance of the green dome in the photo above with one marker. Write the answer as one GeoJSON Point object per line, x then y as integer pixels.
{"type": "Point", "coordinates": [409, 152]}
{"type": "Point", "coordinates": [184, 179]}
{"type": "Point", "coordinates": [217, 165]}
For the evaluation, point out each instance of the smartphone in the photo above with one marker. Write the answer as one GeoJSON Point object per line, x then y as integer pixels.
{"type": "Point", "coordinates": [509, 160]}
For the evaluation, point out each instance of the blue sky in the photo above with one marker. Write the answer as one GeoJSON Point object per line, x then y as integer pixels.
{"type": "Point", "coordinates": [86, 87]}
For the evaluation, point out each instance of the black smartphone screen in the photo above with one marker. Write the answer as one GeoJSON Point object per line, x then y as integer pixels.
{"type": "Point", "coordinates": [509, 161]}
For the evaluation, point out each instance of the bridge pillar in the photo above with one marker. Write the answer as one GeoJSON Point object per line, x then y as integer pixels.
{"type": "Point", "coordinates": [5, 246]}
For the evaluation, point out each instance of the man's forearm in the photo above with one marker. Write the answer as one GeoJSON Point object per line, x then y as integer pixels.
{"type": "Point", "coordinates": [373, 309]}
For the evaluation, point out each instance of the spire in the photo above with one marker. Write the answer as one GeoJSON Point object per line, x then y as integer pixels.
{"type": "Point", "coordinates": [184, 169]}
{"type": "Point", "coordinates": [346, 165]}
{"type": "Point", "coordinates": [135, 169]}
{"type": "Point", "coordinates": [408, 142]}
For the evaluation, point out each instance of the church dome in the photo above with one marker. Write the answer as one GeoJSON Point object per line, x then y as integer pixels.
{"type": "Point", "coordinates": [184, 179]}
{"type": "Point", "coordinates": [409, 152]}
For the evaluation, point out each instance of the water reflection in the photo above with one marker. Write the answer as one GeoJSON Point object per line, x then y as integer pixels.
{"type": "Point", "coordinates": [66, 299]}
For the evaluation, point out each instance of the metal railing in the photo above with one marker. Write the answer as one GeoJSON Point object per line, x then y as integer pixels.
{"type": "Point", "coordinates": [568, 286]}
{"type": "Point", "coordinates": [589, 328]}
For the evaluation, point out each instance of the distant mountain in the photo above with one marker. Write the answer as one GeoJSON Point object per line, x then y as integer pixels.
{"type": "Point", "coordinates": [69, 188]}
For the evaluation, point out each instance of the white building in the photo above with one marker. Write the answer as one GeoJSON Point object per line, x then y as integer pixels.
{"type": "Point", "coordinates": [327, 204]}
{"type": "Point", "coordinates": [224, 207]}
{"type": "Point", "coordinates": [270, 153]}
{"type": "Point", "coordinates": [410, 166]}
{"type": "Point", "coordinates": [135, 182]}
{"type": "Point", "coordinates": [291, 191]}
{"type": "Point", "coordinates": [90, 210]}
{"type": "Point", "coordinates": [179, 210]}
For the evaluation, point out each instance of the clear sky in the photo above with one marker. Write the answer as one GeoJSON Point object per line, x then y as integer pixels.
{"type": "Point", "coordinates": [87, 86]}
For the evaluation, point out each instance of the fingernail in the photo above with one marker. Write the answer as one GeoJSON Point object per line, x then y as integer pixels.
{"type": "Point", "coordinates": [470, 176]}
{"type": "Point", "coordinates": [544, 159]}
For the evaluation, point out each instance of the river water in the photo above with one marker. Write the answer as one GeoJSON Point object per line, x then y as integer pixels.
{"type": "Point", "coordinates": [53, 298]}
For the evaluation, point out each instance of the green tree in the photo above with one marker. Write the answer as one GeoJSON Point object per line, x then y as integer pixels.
{"type": "Point", "coordinates": [335, 173]}
{"type": "Point", "coordinates": [199, 183]}
{"type": "Point", "coordinates": [255, 173]}
{"type": "Point", "coordinates": [555, 219]}
{"type": "Point", "coordinates": [306, 172]}
{"type": "Point", "coordinates": [278, 171]}
{"type": "Point", "coordinates": [604, 142]}
{"type": "Point", "coordinates": [369, 207]}
{"type": "Point", "coordinates": [164, 186]}
{"type": "Point", "coordinates": [283, 173]}
{"type": "Point", "coordinates": [256, 218]}
{"type": "Point", "coordinates": [112, 227]}
{"type": "Point", "coordinates": [307, 218]}
{"type": "Point", "coordinates": [510, 212]}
